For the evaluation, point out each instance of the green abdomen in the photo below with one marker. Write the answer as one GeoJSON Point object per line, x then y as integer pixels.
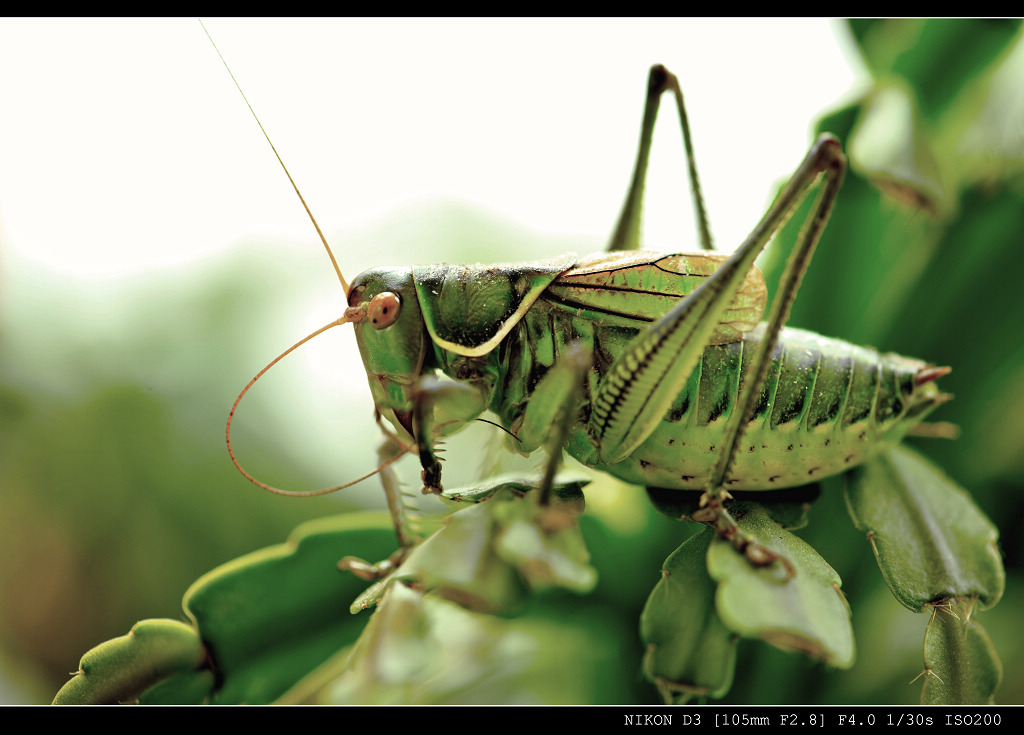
{"type": "Point", "coordinates": [826, 405]}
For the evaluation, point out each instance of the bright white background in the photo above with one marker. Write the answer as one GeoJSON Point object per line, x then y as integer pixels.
{"type": "Point", "coordinates": [124, 147]}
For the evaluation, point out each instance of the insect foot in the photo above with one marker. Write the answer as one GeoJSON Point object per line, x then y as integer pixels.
{"type": "Point", "coordinates": [431, 478]}
{"type": "Point", "coordinates": [440, 406]}
{"type": "Point", "coordinates": [372, 572]}
{"type": "Point", "coordinates": [714, 514]}
{"type": "Point", "coordinates": [759, 555]}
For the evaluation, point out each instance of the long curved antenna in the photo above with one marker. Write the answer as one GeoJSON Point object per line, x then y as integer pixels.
{"type": "Point", "coordinates": [351, 315]}
{"type": "Point", "coordinates": [330, 254]}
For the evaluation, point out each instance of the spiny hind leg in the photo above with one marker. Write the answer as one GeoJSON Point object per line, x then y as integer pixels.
{"type": "Point", "coordinates": [825, 159]}
{"type": "Point", "coordinates": [640, 386]}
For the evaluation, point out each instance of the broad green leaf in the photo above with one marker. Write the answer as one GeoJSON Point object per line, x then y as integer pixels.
{"type": "Point", "coordinates": [272, 616]}
{"type": "Point", "coordinates": [801, 611]}
{"type": "Point", "coordinates": [930, 539]}
{"type": "Point", "coordinates": [121, 669]}
{"type": "Point", "coordinates": [961, 665]}
{"type": "Point", "coordinates": [688, 650]}
{"type": "Point", "coordinates": [195, 687]}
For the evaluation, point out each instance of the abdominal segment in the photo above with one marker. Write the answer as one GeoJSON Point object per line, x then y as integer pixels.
{"type": "Point", "coordinates": [825, 406]}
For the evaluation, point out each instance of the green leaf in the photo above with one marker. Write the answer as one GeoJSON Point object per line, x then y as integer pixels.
{"type": "Point", "coordinates": [801, 611]}
{"type": "Point", "coordinates": [688, 650]}
{"type": "Point", "coordinates": [121, 669]}
{"type": "Point", "coordinates": [270, 617]}
{"type": "Point", "coordinates": [459, 562]}
{"type": "Point", "coordinates": [961, 665]}
{"type": "Point", "coordinates": [488, 554]}
{"type": "Point", "coordinates": [193, 687]}
{"type": "Point", "coordinates": [930, 539]}
{"type": "Point", "coordinates": [545, 558]}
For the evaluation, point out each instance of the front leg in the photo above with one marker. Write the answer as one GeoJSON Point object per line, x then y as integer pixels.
{"type": "Point", "coordinates": [552, 408]}
{"type": "Point", "coordinates": [441, 406]}
{"type": "Point", "coordinates": [406, 531]}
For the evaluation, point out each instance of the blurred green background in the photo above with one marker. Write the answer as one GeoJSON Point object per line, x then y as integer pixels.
{"type": "Point", "coordinates": [115, 489]}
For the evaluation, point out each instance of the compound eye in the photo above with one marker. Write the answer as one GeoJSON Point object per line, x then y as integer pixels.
{"type": "Point", "coordinates": [383, 309]}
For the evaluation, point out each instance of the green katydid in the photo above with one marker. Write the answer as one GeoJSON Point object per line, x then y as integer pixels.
{"type": "Point", "coordinates": [642, 362]}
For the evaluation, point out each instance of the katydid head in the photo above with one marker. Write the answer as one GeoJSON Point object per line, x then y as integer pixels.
{"type": "Point", "coordinates": [392, 339]}
{"type": "Point", "coordinates": [375, 306]}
